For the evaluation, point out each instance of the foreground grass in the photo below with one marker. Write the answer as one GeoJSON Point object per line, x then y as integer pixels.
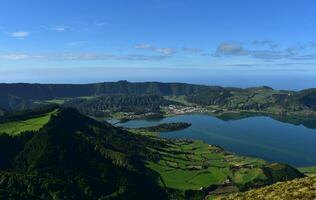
{"type": "Point", "coordinates": [34, 124]}
{"type": "Point", "coordinates": [303, 188]}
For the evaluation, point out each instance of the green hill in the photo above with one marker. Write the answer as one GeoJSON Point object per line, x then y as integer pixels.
{"type": "Point", "coordinates": [75, 157]}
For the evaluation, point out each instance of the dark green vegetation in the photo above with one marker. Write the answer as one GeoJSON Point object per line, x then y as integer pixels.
{"type": "Point", "coordinates": [104, 98]}
{"type": "Point", "coordinates": [165, 127]}
{"type": "Point", "coordinates": [76, 157]}
{"type": "Point", "coordinates": [106, 104]}
{"type": "Point", "coordinates": [53, 91]}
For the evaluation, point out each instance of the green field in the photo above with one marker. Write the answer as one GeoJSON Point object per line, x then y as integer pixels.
{"type": "Point", "coordinates": [33, 124]}
{"type": "Point", "coordinates": [180, 99]}
{"type": "Point", "coordinates": [61, 101]}
{"type": "Point", "coordinates": [192, 165]}
{"type": "Point", "coordinates": [56, 101]}
{"type": "Point", "coordinates": [308, 170]}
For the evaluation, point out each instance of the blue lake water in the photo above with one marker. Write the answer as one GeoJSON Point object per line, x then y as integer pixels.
{"type": "Point", "coordinates": [261, 137]}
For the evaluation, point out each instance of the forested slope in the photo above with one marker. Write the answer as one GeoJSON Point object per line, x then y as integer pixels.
{"type": "Point", "coordinates": [75, 157]}
{"type": "Point", "coordinates": [115, 103]}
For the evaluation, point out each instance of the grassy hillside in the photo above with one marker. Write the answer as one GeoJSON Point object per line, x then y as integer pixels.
{"type": "Point", "coordinates": [196, 166]}
{"type": "Point", "coordinates": [304, 188]}
{"type": "Point", "coordinates": [16, 127]}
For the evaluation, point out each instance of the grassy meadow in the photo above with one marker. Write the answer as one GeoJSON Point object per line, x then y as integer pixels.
{"type": "Point", "coordinates": [193, 165]}
{"type": "Point", "coordinates": [33, 124]}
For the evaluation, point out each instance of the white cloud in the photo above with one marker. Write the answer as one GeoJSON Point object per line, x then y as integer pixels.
{"type": "Point", "coordinates": [231, 49]}
{"type": "Point", "coordinates": [143, 46]}
{"type": "Point", "coordinates": [267, 51]}
{"type": "Point", "coordinates": [19, 34]}
{"type": "Point", "coordinates": [164, 51]}
{"type": "Point", "coordinates": [14, 56]}
{"type": "Point", "coordinates": [95, 56]}
{"type": "Point", "coordinates": [84, 57]}
{"type": "Point", "coordinates": [59, 28]}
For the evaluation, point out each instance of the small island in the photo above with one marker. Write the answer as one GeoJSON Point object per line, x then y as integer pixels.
{"type": "Point", "coordinates": [166, 127]}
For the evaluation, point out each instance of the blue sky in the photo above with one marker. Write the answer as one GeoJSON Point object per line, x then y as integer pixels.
{"type": "Point", "coordinates": [102, 40]}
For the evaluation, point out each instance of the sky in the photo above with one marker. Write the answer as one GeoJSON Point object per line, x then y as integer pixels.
{"type": "Point", "coordinates": [79, 41]}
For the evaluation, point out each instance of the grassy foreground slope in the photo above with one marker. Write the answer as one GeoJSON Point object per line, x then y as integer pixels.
{"type": "Point", "coordinates": [297, 189]}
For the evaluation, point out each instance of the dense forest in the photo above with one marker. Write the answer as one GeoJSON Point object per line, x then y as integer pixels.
{"type": "Point", "coordinates": [75, 157]}
{"type": "Point", "coordinates": [114, 103]}
{"type": "Point", "coordinates": [165, 127]}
